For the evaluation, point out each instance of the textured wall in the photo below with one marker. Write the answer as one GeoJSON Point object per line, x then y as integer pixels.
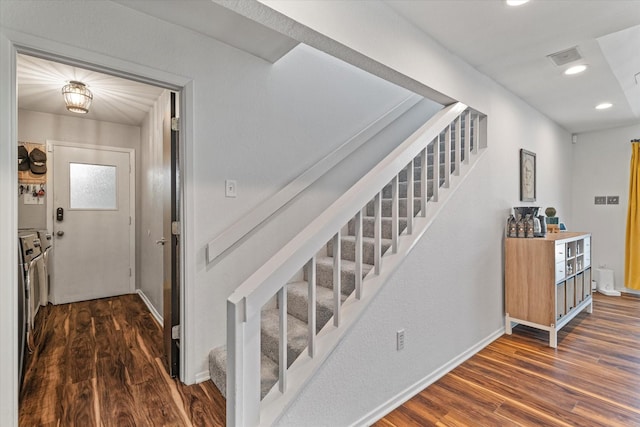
{"type": "Point", "coordinates": [261, 124]}
{"type": "Point", "coordinates": [448, 295]}
{"type": "Point", "coordinates": [601, 168]}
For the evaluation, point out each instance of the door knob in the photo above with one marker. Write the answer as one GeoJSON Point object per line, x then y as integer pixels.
{"type": "Point", "coordinates": [59, 233]}
{"type": "Point", "coordinates": [161, 241]}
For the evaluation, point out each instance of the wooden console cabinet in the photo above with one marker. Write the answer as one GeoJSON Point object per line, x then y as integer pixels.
{"type": "Point", "coordinates": [547, 281]}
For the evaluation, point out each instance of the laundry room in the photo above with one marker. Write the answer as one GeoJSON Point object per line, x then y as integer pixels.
{"type": "Point", "coordinates": [90, 179]}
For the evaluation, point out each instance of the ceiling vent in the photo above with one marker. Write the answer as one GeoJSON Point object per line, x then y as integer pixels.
{"type": "Point", "coordinates": [565, 56]}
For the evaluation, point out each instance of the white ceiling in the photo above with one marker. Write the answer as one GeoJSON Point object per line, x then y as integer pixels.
{"type": "Point", "coordinates": [115, 99]}
{"type": "Point", "coordinates": [511, 44]}
{"type": "Point", "coordinates": [508, 44]}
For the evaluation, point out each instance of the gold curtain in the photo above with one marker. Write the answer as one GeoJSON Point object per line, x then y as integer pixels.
{"type": "Point", "coordinates": [632, 252]}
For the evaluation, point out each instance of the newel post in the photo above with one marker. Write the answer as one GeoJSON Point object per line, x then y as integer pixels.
{"type": "Point", "coordinates": [243, 365]}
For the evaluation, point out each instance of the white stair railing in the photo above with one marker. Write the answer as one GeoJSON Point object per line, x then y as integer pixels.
{"type": "Point", "coordinates": [440, 147]}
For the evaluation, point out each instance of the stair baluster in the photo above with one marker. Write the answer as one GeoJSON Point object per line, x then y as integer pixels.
{"type": "Point", "coordinates": [311, 306]}
{"type": "Point", "coordinates": [435, 183]}
{"type": "Point", "coordinates": [377, 234]}
{"type": "Point", "coordinates": [467, 137]}
{"type": "Point", "coordinates": [337, 277]}
{"type": "Point", "coordinates": [447, 157]}
{"type": "Point", "coordinates": [423, 183]}
{"type": "Point", "coordinates": [282, 353]}
{"type": "Point", "coordinates": [410, 188]}
{"type": "Point", "coordinates": [394, 214]}
{"type": "Point", "coordinates": [358, 254]}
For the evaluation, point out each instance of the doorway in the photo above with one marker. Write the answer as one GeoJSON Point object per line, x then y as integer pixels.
{"type": "Point", "coordinates": [119, 138]}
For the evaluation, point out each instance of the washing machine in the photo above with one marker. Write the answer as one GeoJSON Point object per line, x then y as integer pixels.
{"type": "Point", "coordinates": [29, 253]}
{"type": "Point", "coordinates": [44, 266]}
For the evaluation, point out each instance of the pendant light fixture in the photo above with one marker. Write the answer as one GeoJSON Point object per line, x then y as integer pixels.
{"type": "Point", "coordinates": [77, 97]}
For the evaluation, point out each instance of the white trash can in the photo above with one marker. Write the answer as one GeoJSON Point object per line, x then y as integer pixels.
{"type": "Point", "coordinates": [604, 282]}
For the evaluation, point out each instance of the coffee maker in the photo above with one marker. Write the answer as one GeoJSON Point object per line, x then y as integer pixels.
{"type": "Point", "coordinates": [540, 224]}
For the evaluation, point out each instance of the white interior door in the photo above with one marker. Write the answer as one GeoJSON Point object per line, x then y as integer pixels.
{"type": "Point", "coordinates": [92, 223]}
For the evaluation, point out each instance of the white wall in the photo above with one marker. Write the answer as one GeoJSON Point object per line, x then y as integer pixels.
{"type": "Point", "coordinates": [601, 168]}
{"type": "Point", "coordinates": [246, 119]}
{"type": "Point", "coordinates": [252, 121]}
{"type": "Point", "coordinates": [448, 295]}
{"type": "Point", "coordinates": [149, 255]}
{"type": "Point", "coordinates": [37, 127]}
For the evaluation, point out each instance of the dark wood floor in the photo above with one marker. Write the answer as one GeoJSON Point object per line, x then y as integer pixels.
{"type": "Point", "coordinates": [591, 379]}
{"type": "Point", "coordinates": [100, 363]}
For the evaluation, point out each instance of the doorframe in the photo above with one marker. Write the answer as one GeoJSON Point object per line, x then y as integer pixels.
{"type": "Point", "coordinates": [13, 43]}
{"type": "Point", "coordinates": [50, 145]}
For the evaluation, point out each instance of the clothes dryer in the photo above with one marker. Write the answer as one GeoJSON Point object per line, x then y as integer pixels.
{"type": "Point", "coordinates": [43, 266]}
{"type": "Point", "coordinates": [28, 255]}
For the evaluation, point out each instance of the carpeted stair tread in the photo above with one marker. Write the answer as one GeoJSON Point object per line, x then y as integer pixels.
{"type": "Point", "coordinates": [297, 338]}
{"type": "Point", "coordinates": [324, 274]}
{"type": "Point", "coordinates": [218, 371]}
{"type": "Point", "coordinates": [387, 207]}
{"type": "Point", "coordinates": [368, 226]}
{"type": "Point", "coordinates": [402, 189]}
{"type": "Point", "coordinates": [417, 174]}
{"type": "Point", "coordinates": [297, 303]}
{"type": "Point", "coordinates": [348, 248]}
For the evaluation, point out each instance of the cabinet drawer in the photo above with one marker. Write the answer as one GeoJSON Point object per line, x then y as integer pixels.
{"type": "Point", "coordinates": [570, 295]}
{"type": "Point", "coordinates": [579, 288]}
{"type": "Point", "coordinates": [560, 301]}
{"type": "Point", "coordinates": [560, 252]}
{"type": "Point", "coordinates": [560, 270]}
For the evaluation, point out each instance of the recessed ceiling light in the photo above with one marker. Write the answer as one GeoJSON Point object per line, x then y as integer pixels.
{"type": "Point", "coordinates": [516, 2]}
{"type": "Point", "coordinates": [604, 106]}
{"type": "Point", "coordinates": [575, 69]}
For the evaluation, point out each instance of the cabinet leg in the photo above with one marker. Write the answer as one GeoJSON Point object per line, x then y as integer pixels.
{"type": "Point", "coordinates": [553, 338]}
{"type": "Point", "coordinates": [590, 308]}
{"type": "Point", "coordinates": [507, 325]}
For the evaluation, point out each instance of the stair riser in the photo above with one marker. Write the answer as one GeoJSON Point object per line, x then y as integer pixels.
{"type": "Point", "coordinates": [297, 307]}
{"type": "Point", "coordinates": [324, 277]}
{"type": "Point", "coordinates": [387, 205]}
{"type": "Point", "coordinates": [368, 227]}
{"type": "Point", "coordinates": [348, 248]}
{"type": "Point", "coordinates": [270, 348]}
{"type": "Point", "coordinates": [417, 172]}
{"type": "Point", "coordinates": [402, 190]}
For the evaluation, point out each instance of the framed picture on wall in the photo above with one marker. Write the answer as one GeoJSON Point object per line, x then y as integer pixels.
{"type": "Point", "coordinates": [527, 176]}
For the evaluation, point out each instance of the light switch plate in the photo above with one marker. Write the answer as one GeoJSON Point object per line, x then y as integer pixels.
{"type": "Point", "coordinates": [230, 188]}
{"type": "Point", "coordinates": [601, 200]}
{"type": "Point", "coordinates": [30, 200]}
{"type": "Point", "coordinates": [613, 200]}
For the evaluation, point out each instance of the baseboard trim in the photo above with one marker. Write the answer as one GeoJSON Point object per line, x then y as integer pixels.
{"type": "Point", "coordinates": [202, 377]}
{"type": "Point", "coordinates": [150, 306]}
{"type": "Point", "coordinates": [425, 382]}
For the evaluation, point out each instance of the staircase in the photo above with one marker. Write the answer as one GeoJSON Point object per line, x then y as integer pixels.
{"type": "Point", "coordinates": [298, 291]}
{"type": "Point", "coordinates": [288, 316]}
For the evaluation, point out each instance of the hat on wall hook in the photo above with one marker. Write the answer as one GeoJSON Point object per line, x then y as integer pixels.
{"type": "Point", "coordinates": [23, 158]}
{"type": "Point", "coordinates": [38, 161]}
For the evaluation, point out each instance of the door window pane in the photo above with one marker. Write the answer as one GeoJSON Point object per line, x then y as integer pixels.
{"type": "Point", "coordinates": [92, 186]}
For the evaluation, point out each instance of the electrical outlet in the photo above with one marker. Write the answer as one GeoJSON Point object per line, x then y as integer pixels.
{"type": "Point", "coordinates": [400, 340]}
{"type": "Point", "coordinates": [613, 200]}
{"type": "Point", "coordinates": [600, 200]}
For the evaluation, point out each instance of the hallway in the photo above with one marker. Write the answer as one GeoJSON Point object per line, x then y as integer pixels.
{"type": "Point", "coordinates": [100, 362]}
